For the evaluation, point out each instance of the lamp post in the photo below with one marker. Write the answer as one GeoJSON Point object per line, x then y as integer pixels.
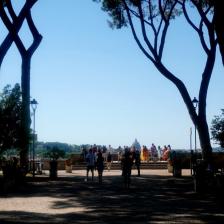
{"type": "Point", "coordinates": [195, 103]}
{"type": "Point", "coordinates": [33, 104]}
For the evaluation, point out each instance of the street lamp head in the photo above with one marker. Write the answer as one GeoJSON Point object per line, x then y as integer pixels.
{"type": "Point", "coordinates": [195, 102]}
{"type": "Point", "coordinates": [33, 104]}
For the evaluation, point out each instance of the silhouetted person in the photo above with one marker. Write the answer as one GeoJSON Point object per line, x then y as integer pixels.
{"type": "Point", "coordinates": [154, 153]}
{"type": "Point", "coordinates": [127, 162]}
{"type": "Point", "coordinates": [90, 163]}
{"type": "Point", "coordinates": [137, 161]}
{"type": "Point", "coordinates": [100, 166]}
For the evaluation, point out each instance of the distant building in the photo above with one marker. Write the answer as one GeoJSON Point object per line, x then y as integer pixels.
{"type": "Point", "coordinates": [137, 145]}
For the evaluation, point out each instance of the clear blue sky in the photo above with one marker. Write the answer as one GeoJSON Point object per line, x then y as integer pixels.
{"type": "Point", "coordinates": [94, 85]}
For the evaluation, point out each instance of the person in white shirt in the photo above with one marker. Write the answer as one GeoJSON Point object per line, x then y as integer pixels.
{"type": "Point", "coordinates": [90, 163]}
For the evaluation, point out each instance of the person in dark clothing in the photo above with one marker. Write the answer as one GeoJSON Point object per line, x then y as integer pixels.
{"type": "Point", "coordinates": [100, 166]}
{"type": "Point", "coordinates": [137, 161]}
{"type": "Point", "coordinates": [127, 162]}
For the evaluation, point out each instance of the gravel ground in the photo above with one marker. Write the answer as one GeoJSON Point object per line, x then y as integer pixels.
{"type": "Point", "coordinates": [155, 197]}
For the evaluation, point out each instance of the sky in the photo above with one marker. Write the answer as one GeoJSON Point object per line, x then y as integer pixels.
{"type": "Point", "coordinates": [94, 86]}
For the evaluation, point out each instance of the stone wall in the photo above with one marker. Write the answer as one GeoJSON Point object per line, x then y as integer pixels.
{"type": "Point", "coordinates": [46, 164]}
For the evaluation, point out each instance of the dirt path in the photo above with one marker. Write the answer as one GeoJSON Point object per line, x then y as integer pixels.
{"type": "Point", "coordinates": [155, 197]}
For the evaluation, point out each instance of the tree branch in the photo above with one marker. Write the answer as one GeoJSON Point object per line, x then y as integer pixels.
{"type": "Point", "coordinates": [152, 50]}
{"type": "Point", "coordinates": [202, 39]}
{"type": "Point", "coordinates": [167, 22]}
{"type": "Point", "coordinates": [135, 35]}
{"type": "Point", "coordinates": [209, 25]}
{"type": "Point", "coordinates": [151, 17]}
{"type": "Point", "coordinates": [36, 35]}
{"type": "Point", "coordinates": [181, 87]}
{"type": "Point", "coordinates": [17, 23]}
{"type": "Point", "coordinates": [11, 10]}
{"type": "Point", "coordinates": [199, 30]}
{"type": "Point", "coordinates": [12, 30]}
{"type": "Point", "coordinates": [206, 76]}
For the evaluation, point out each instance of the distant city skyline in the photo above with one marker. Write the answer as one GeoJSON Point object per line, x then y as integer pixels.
{"type": "Point", "coordinates": [94, 86]}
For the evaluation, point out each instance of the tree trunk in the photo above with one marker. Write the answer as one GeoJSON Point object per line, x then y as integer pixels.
{"type": "Point", "coordinates": [219, 28]}
{"type": "Point", "coordinates": [198, 119]}
{"type": "Point", "coordinates": [25, 120]}
{"type": "Point", "coordinates": [204, 138]}
{"type": "Point", "coordinates": [26, 54]}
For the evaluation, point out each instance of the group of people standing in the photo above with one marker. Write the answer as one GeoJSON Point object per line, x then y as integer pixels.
{"type": "Point", "coordinates": [153, 153]}
{"type": "Point", "coordinates": [95, 161]}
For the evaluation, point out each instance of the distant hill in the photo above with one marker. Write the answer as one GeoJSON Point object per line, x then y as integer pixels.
{"type": "Point", "coordinates": [42, 147]}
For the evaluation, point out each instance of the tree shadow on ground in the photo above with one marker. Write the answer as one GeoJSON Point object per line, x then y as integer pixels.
{"type": "Point", "coordinates": [151, 199]}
